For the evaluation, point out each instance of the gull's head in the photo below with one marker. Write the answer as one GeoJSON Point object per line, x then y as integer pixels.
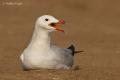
{"type": "Point", "coordinates": [49, 23]}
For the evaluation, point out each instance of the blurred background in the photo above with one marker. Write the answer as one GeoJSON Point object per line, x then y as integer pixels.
{"type": "Point", "coordinates": [91, 25]}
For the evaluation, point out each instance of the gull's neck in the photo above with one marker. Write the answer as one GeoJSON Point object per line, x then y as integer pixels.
{"type": "Point", "coordinates": [40, 38]}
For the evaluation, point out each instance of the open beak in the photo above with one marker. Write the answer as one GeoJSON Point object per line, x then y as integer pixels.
{"type": "Point", "coordinates": [57, 25]}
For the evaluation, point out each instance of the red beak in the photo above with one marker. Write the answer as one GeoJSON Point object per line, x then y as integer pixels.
{"type": "Point", "coordinates": [57, 25]}
{"type": "Point", "coordinates": [61, 21]}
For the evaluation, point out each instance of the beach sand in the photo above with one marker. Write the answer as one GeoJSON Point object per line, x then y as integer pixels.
{"type": "Point", "coordinates": [91, 25]}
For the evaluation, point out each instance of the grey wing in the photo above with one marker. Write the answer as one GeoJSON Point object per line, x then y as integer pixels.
{"type": "Point", "coordinates": [65, 55]}
{"type": "Point", "coordinates": [69, 57]}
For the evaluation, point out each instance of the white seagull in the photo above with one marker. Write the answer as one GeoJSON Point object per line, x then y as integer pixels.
{"type": "Point", "coordinates": [40, 53]}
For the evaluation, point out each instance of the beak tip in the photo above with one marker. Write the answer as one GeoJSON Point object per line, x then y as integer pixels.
{"type": "Point", "coordinates": [62, 21]}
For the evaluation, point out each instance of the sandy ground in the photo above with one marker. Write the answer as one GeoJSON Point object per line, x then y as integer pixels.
{"type": "Point", "coordinates": [92, 26]}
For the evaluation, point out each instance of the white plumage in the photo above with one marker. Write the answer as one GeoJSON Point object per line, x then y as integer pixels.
{"type": "Point", "coordinates": [40, 53]}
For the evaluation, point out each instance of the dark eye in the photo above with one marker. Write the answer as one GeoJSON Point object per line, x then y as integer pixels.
{"type": "Point", "coordinates": [46, 19]}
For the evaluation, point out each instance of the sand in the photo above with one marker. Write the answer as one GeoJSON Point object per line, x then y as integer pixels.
{"type": "Point", "coordinates": [91, 25]}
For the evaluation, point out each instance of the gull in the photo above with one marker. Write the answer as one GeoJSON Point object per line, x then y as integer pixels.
{"type": "Point", "coordinates": [41, 53]}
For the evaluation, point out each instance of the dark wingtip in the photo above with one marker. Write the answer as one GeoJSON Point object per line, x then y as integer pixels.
{"type": "Point", "coordinates": [72, 48]}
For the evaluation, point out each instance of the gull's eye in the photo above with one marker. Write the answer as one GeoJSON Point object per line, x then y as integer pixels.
{"type": "Point", "coordinates": [46, 19]}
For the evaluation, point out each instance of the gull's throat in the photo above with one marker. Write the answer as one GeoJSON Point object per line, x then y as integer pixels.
{"type": "Point", "coordinates": [40, 38]}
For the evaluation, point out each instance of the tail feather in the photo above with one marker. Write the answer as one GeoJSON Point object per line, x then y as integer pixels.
{"type": "Point", "coordinates": [78, 51]}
